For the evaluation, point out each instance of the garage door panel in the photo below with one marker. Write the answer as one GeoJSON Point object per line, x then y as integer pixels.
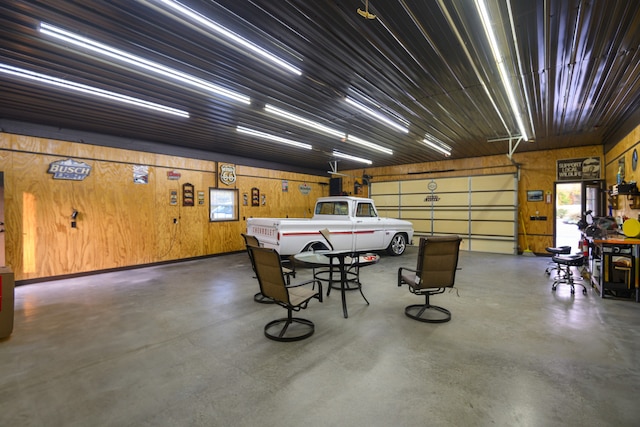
{"type": "Point", "coordinates": [496, 215]}
{"type": "Point", "coordinates": [390, 187]}
{"type": "Point", "coordinates": [451, 227]}
{"type": "Point", "coordinates": [492, 183]}
{"type": "Point", "coordinates": [444, 185]}
{"type": "Point", "coordinates": [493, 246]}
{"type": "Point", "coordinates": [390, 200]}
{"type": "Point", "coordinates": [503, 198]}
{"type": "Point", "coordinates": [493, 228]}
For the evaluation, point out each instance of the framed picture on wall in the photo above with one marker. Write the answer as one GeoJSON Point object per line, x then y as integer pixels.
{"type": "Point", "coordinates": [535, 196]}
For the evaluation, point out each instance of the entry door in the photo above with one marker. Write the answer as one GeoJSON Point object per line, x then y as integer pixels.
{"type": "Point", "coordinates": [573, 199]}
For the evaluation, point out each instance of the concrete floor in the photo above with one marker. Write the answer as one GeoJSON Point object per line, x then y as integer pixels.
{"type": "Point", "coordinates": [183, 345]}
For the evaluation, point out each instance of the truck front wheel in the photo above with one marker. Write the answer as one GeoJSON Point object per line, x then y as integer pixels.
{"type": "Point", "coordinates": [398, 245]}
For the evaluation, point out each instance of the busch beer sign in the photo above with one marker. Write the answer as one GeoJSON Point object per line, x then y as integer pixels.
{"type": "Point", "coordinates": [69, 169]}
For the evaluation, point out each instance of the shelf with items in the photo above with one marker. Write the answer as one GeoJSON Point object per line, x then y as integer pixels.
{"type": "Point", "coordinates": [622, 201]}
{"type": "Point", "coordinates": [614, 268]}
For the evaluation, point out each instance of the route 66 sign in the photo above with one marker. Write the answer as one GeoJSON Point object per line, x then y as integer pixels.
{"type": "Point", "coordinates": [228, 174]}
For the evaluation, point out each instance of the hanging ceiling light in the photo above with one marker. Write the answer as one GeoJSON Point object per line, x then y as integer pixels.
{"type": "Point", "coordinates": [220, 30]}
{"type": "Point", "coordinates": [90, 90]}
{"type": "Point", "coordinates": [350, 157]}
{"type": "Point", "coordinates": [371, 145]}
{"type": "Point", "coordinates": [500, 63]}
{"type": "Point", "coordinates": [126, 57]}
{"type": "Point", "coordinates": [387, 121]}
{"type": "Point", "coordinates": [303, 121]}
{"type": "Point", "coordinates": [272, 137]}
{"type": "Point", "coordinates": [437, 145]}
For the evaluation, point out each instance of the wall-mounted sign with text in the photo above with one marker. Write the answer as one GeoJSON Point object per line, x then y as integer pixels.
{"type": "Point", "coordinates": [69, 169]}
{"type": "Point", "coordinates": [578, 169]}
{"type": "Point", "coordinates": [433, 197]}
{"type": "Point", "coordinates": [305, 188]}
{"type": "Point", "coordinates": [227, 174]}
{"type": "Point", "coordinates": [173, 175]}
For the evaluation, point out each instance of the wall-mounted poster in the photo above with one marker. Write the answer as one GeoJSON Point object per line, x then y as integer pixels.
{"type": "Point", "coordinates": [187, 195]}
{"type": "Point", "coordinates": [201, 198]}
{"type": "Point", "coordinates": [578, 169]}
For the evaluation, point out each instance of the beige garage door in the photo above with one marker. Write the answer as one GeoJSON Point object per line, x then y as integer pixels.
{"type": "Point", "coordinates": [481, 209]}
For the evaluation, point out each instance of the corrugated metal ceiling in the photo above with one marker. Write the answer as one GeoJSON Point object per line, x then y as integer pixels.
{"type": "Point", "coordinates": [575, 65]}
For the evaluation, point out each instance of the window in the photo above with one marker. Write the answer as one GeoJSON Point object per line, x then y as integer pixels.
{"type": "Point", "coordinates": [366, 209]}
{"type": "Point", "coordinates": [332, 208]}
{"type": "Point", "coordinates": [223, 205]}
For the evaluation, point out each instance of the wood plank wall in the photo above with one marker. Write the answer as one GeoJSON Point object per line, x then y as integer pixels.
{"type": "Point", "coordinates": [120, 223]}
{"type": "Point", "coordinates": [537, 171]}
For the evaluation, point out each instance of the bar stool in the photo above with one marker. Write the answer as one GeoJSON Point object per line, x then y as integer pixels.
{"type": "Point", "coordinates": [560, 250]}
{"type": "Point", "coordinates": [568, 261]}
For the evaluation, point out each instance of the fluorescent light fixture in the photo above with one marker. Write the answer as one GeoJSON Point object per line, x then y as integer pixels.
{"type": "Point", "coordinates": [154, 67]}
{"type": "Point", "coordinates": [377, 115]}
{"type": "Point", "coordinates": [271, 137]}
{"type": "Point", "coordinates": [350, 157]}
{"type": "Point", "coordinates": [324, 129]}
{"type": "Point", "coordinates": [498, 58]}
{"type": "Point", "coordinates": [228, 34]}
{"type": "Point", "coordinates": [306, 122]}
{"type": "Point", "coordinates": [368, 144]}
{"type": "Point", "coordinates": [78, 87]}
{"type": "Point", "coordinates": [437, 145]}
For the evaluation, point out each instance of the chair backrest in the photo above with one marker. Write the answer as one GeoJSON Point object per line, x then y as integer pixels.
{"type": "Point", "coordinates": [268, 269]}
{"type": "Point", "coordinates": [327, 236]}
{"type": "Point", "coordinates": [438, 261]}
{"type": "Point", "coordinates": [250, 240]}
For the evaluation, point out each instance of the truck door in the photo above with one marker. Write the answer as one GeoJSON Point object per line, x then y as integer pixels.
{"type": "Point", "coordinates": [368, 231]}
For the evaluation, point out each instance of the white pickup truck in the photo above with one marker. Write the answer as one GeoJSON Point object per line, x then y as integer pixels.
{"type": "Point", "coordinates": [353, 222]}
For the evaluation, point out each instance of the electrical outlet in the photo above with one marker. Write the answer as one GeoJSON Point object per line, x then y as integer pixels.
{"type": "Point", "coordinates": [175, 220]}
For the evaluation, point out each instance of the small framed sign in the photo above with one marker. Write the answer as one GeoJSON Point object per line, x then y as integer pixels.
{"type": "Point", "coordinates": [535, 196]}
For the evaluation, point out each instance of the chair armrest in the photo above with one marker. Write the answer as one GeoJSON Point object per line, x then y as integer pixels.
{"type": "Point", "coordinates": [413, 270]}
{"type": "Point", "coordinates": [314, 281]}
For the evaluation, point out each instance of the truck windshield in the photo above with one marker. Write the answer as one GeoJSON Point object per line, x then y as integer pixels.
{"type": "Point", "coordinates": [332, 208]}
